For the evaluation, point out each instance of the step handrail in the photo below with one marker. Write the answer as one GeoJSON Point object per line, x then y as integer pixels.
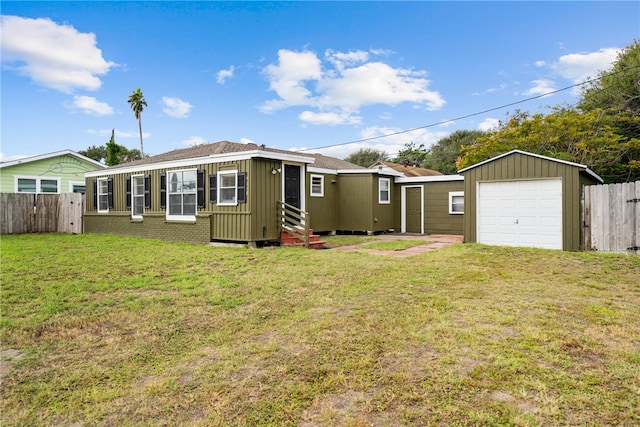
{"type": "Point", "coordinates": [295, 221]}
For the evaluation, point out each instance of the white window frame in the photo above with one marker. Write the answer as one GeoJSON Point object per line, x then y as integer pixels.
{"type": "Point", "coordinates": [321, 184]}
{"type": "Point", "coordinates": [181, 217]}
{"type": "Point", "coordinates": [381, 200]}
{"type": "Point", "coordinates": [452, 195]}
{"type": "Point", "coordinates": [220, 188]}
{"type": "Point", "coordinates": [38, 181]}
{"type": "Point", "coordinates": [73, 183]}
{"type": "Point", "coordinates": [100, 194]}
{"type": "Point", "coordinates": [135, 195]}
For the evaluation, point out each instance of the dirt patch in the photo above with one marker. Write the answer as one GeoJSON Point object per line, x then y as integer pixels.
{"type": "Point", "coordinates": [432, 242]}
{"type": "Point", "coordinates": [7, 358]}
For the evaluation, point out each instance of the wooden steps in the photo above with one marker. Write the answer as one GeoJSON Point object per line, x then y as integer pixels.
{"type": "Point", "coordinates": [287, 239]}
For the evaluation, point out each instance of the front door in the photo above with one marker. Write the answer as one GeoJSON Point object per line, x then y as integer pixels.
{"type": "Point", "coordinates": [292, 185]}
{"type": "Point", "coordinates": [414, 210]}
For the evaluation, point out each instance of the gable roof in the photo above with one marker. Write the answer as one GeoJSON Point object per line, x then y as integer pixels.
{"type": "Point", "coordinates": [406, 170]}
{"type": "Point", "coordinates": [585, 168]}
{"type": "Point", "coordinates": [326, 162]}
{"type": "Point", "coordinates": [49, 156]}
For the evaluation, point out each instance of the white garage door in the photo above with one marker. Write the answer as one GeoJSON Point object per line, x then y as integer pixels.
{"type": "Point", "coordinates": [520, 213]}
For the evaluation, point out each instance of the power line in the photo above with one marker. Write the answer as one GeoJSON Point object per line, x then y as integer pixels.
{"type": "Point", "coordinates": [469, 115]}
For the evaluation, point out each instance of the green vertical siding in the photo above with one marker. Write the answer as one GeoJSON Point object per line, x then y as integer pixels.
{"type": "Point", "coordinates": [355, 202]}
{"type": "Point", "coordinates": [437, 219]}
{"type": "Point", "coordinates": [518, 166]}
{"type": "Point", "coordinates": [265, 189]}
{"type": "Point", "coordinates": [323, 210]}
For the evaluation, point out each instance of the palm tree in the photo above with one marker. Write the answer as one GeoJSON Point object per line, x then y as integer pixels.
{"type": "Point", "coordinates": [137, 103]}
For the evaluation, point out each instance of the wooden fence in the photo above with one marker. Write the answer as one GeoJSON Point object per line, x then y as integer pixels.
{"type": "Point", "coordinates": [611, 218]}
{"type": "Point", "coordinates": [41, 213]}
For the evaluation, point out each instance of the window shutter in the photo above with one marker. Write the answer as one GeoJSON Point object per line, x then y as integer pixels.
{"type": "Point", "coordinates": [110, 192]}
{"type": "Point", "coordinates": [95, 194]}
{"type": "Point", "coordinates": [200, 190]}
{"type": "Point", "coordinates": [128, 188]}
{"type": "Point", "coordinates": [147, 191]}
{"type": "Point", "coordinates": [163, 190]}
{"type": "Point", "coordinates": [213, 188]}
{"type": "Point", "coordinates": [242, 187]}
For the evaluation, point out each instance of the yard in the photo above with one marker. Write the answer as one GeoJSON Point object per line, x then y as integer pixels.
{"type": "Point", "coordinates": [105, 330]}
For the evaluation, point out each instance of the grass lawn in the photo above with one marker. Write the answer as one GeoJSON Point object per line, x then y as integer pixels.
{"type": "Point", "coordinates": [105, 330]}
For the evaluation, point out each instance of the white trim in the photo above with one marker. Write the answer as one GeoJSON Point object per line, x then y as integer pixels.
{"type": "Point", "coordinates": [72, 183]}
{"type": "Point", "coordinates": [38, 180]}
{"type": "Point", "coordinates": [133, 196]}
{"type": "Point", "coordinates": [403, 207]}
{"type": "Point", "coordinates": [303, 174]}
{"type": "Point", "coordinates": [205, 160]}
{"type": "Point", "coordinates": [388, 181]}
{"type": "Point", "coordinates": [434, 178]}
{"type": "Point", "coordinates": [219, 187]}
{"type": "Point", "coordinates": [540, 156]}
{"type": "Point", "coordinates": [453, 194]}
{"type": "Point", "coordinates": [321, 193]}
{"type": "Point", "coordinates": [98, 194]}
{"type": "Point", "coordinates": [188, 218]}
{"type": "Point", "coordinates": [48, 156]}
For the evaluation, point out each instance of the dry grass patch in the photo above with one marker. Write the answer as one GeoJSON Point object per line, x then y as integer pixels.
{"type": "Point", "coordinates": [104, 330]}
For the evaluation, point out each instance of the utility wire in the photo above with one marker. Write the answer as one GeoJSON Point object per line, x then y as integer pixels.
{"type": "Point", "coordinates": [472, 114]}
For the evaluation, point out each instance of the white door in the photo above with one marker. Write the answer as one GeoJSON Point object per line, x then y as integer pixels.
{"type": "Point", "coordinates": [520, 213]}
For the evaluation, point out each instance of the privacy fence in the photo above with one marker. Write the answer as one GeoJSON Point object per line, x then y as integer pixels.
{"type": "Point", "coordinates": [611, 218]}
{"type": "Point", "coordinates": [41, 213]}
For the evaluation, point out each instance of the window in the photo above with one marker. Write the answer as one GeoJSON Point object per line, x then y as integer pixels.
{"type": "Point", "coordinates": [384, 190]}
{"type": "Point", "coordinates": [227, 188]}
{"type": "Point", "coordinates": [36, 185]}
{"type": "Point", "coordinates": [77, 187]}
{"type": "Point", "coordinates": [137, 196]}
{"type": "Point", "coordinates": [317, 185]}
{"type": "Point", "coordinates": [103, 194]}
{"type": "Point", "coordinates": [182, 191]}
{"type": "Point", "coordinates": [456, 202]}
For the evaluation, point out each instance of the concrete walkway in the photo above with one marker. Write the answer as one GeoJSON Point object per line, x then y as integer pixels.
{"type": "Point", "coordinates": [432, 243]}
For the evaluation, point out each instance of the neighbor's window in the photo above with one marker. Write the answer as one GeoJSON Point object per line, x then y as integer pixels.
{"type": "Point", "coordinates": [317, 185]}
{"type": "Point", "coordinates": [456, 202]}
{"type": "Point", "coordinates": [228, 187]}
{"type": "Point", "coordinates": [103, 194]}
{"type": "Point", "coordinates": [77, 187]}
{"type": "Point", "coordinates": [36, 185]}
{"type": "Point", "coordinates": [384, 190]}
{"type": "Point", "coordinates": [137, 195]}
{"type": "Point", "coordinates": [182, 192]}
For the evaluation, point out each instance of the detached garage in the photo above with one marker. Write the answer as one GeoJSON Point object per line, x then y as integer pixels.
{"type": "Point", "coordinates": [525, 199]}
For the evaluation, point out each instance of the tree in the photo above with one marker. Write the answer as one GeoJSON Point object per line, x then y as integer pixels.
{"type": "Point", "coordinates": [99, 154]}
{"type": "Point", "coordinates": [443, 154]}
{"type": "Point", "coordinates": [366, 157]}
{"type": "Point", "coordinates": [137, 103]}
{"type": "Point", "coordinates": [618, 88]}
{"type": "Point", "coordinates": [411, 155]}
{"type": "Point", "coordinates": [114, 152]}
{"type": "Point", "coordinates": [592, 138]}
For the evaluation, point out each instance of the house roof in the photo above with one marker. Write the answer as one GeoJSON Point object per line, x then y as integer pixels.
{"type": "Point", "coordinates": [406, 170]}
{"type": "Point", "coordinates": [49, 156]}
{"type": "Point", "coordinates": [223, 151]}
{"type": "Point", "coordinates": [585, 168]}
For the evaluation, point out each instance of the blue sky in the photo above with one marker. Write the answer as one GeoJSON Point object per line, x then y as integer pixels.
{"type": "Point", "coordinates": [295, 75]}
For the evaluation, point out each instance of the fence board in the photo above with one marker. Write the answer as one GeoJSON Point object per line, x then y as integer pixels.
{"type": "Point", "coordinates": [41, 213]}
{"type": "Point", "coordinates": [611, 218]}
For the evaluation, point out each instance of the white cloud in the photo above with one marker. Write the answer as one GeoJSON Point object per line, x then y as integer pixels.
{"type": "Point", "coordinates": [488, 124]}
{"type": "Point", "coordinates": [90, 105]}
{"type": "Point", "coordinates": [52, 55]}
{"type": "Point", "coordinates": [175, 107]}
{"type": "Point", "coordinates": [578, 67]}
{"type": "Point", "coordinates": [223, 75]}
{"type": "Point", "coordinates": [118, 133]}
{"type": "Point", "coordinates": [4, 158]}
{"type": "Point", "coordinates": [342, 85]}
{"type": "Point", "coordinates": [246, 141]}
{"type": "Point", "coordinates": [541, 87]}
{"type": "Point", "coordinates": [329, 118]}
{"type": "Point", "coordinates": [193, 141]}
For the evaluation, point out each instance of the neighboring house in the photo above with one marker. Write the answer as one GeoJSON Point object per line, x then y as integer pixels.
{"type": "Point", "coordinates": [59, 172]}
{"type": "Point", "coordinates": [525, 199]}
{"type": "Point", "coordinates": [405, 169]}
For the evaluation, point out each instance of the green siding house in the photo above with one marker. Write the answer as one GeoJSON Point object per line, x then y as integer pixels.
{"type": "Point", "coordinates": [59, 172]}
